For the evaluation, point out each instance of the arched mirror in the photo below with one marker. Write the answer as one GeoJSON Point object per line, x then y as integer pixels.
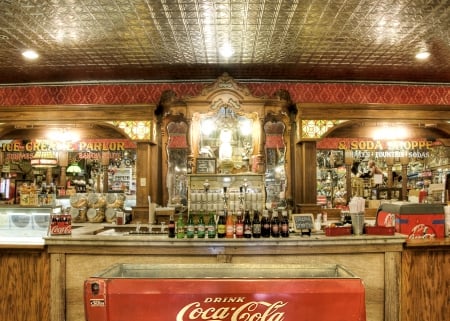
{"type": "Point", "coordinates": [275, 150]}
{"type": "Point", "coordinates": [227, 137]}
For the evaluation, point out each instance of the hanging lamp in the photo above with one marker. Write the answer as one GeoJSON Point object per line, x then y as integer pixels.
{"type": "Point", "coordinates": [74, 168]}
{"type": "Point", "coordinates": [44, 159]}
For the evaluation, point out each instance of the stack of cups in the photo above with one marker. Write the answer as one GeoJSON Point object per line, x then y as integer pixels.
{"type": "Point", "coordinates": [447, 220]}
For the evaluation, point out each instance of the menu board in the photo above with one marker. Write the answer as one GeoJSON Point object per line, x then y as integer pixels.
{"type": "Point", "coordinates": [303, 222]}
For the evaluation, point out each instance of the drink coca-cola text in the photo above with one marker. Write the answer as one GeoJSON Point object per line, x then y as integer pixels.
{"type": "Point", "coordinates": [247, 311]}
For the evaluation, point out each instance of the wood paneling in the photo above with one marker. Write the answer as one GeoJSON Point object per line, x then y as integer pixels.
{"type": "Point", "coordinates": [425, 284]}
{"type": "Point", "coordinates": [25, 285]}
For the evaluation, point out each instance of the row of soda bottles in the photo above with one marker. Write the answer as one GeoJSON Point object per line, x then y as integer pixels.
{"type": "Point", "coordinates": [244, 226]}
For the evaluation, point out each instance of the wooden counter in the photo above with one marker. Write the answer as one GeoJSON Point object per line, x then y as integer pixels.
{"type": "Point", "coordinates": [376, 259]}
{"type": "Point", "coordinates": [25, 279]}
{"type": "Point", "coordinates": [426, 280]}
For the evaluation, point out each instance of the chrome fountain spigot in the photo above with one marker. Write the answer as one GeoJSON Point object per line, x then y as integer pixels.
{"type": "Point", "coordinates": [244, 188]}
{"type": "Point", "coordinates": [225, 198]}
{"type": "Point", "coordinates": [206, 186]}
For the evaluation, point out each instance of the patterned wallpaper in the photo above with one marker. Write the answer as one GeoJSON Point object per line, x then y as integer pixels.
{"type": "Point", "coordinates": [151, 93]}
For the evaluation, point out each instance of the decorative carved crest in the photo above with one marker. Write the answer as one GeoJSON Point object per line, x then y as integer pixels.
{"type": "Point", "coordinates": [225, 82]}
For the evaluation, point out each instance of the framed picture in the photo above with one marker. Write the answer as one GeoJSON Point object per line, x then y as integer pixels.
{"type": "Point", "coordinates": [206, 166]}
{"type": "Point", "coordinates": [302, 222]}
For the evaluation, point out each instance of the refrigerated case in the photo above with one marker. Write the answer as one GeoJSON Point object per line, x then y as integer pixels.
{"type": "Point", "coordinates": [228, 292]}
{"type": "Point", "coordinates": [25, 222]}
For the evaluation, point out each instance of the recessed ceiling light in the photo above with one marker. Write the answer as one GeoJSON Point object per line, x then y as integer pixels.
{"type": "Point", "coordinates": [226, 50]}
{"type": "Point", "coordinates": [423, 55]}
{"type": "Point", "coordinates": [30, 54]}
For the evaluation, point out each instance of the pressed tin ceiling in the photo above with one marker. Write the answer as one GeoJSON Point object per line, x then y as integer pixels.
{"type": "Point", "coordinates": [310, 40]}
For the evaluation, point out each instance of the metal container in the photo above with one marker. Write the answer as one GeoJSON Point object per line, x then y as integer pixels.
{"type": "Point", "coordinates": [224, 292]}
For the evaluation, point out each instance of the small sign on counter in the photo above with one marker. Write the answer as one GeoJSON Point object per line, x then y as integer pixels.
{"type": "Point", "coordinates": [302, 222]}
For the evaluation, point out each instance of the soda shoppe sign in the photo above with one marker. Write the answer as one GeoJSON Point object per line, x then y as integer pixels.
{"type": "Point", "coordinates": [17, 150]}
{"type": "Point", "coordinates": [413, 148]}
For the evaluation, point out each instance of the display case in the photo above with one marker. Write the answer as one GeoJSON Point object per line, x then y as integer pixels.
{"type": "Point", "coordinates": [16, 221]}
{"type": "Point", "coordinates": [206, 192]}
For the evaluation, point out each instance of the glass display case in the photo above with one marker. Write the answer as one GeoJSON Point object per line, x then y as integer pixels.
{"type": "Point", "coordinates": [25, 222]}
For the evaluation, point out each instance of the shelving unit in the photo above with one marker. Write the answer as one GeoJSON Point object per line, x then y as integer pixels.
{"type": "Point", "coordinates": [121, 180]}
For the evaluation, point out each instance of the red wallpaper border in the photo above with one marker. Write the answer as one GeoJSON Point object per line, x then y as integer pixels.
{"type": "Point", "coordinates": [113, 94]}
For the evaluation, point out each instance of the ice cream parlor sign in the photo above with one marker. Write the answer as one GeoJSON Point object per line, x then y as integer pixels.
{"type": "Point", "coordinates": [16, 150]}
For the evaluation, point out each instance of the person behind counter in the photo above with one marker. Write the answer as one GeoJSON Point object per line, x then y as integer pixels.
{"type": "Point", "coordinates": [368, 172]}
{"type": "Point", "coordinates": [373, 168]}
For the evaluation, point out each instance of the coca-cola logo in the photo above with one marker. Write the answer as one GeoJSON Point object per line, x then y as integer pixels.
{"type": "Point", "coordinates": [61, 229]}
{"type": "Point", "coordinates": [209, 310]}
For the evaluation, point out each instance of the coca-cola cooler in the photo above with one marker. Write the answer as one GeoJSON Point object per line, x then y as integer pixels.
{"type": "Point", "coordinates": [224, 292]}
{"type": "Point", "coordinates": [417, 220]}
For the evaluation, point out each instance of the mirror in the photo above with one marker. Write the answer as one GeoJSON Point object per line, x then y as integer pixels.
{"type": "Point", "coordinates": [178, 163]}
{"type": "Point", "coordinates": [228, 137]}
{"type": "Point", "coordinates": [275, 149]}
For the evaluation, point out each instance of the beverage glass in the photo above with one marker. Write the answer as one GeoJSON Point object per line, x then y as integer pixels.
{"type": "Point", "coordinates": [357, 223]}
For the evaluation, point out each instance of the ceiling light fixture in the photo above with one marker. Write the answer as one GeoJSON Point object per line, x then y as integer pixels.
{"type": "Point", "coordinates": [226, 50]}
{"type": "Point", "coordinates": [30, 54]}
{"type": "Point", "coordinates": [390, 133]}
{"type": "Point", "coordinates": [422, 55]}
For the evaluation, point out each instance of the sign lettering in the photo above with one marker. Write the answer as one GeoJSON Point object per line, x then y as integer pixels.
{"type": "Point", "coordinates": [248, 311]}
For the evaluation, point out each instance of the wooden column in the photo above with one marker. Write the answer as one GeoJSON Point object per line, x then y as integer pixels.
{"type": "Point", "coordinates": [104, 185]}
{"type": "Point", "coordinates": [390, 164]}
{"type": "Point", "coordinates": [144, 162]}
{"type": "Point", "coordinates": [49, 176]}
{"type": "Point", "coordinates": [306, 173]}
{"type": "Point", "coordinates": [348, 160]}
{"type": "Point", "coordinates": [404, 161]}
{"type": "Point", "coordinates": [63, 163]}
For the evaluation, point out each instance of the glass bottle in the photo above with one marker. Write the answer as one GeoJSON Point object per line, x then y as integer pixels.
{"type": "Point", "coordinates": [275, 225]}
{"type": "Point", "coordinates": [211, 226]}
{"type": "Point", "coordinates": [229, 226]}
{"type": "Point", "coordinates": [256, 225]}
{"type": "Point", "coordinates": [247, 225]}
{"type": "Point", "coordinates": [221, 228]}
{"type": "Point", "coordinates": [265, 224]}
{"type": "Point", "coordinates": [180, 227]}
{"type": "Point", "coordinates": [239, 225]}
{"type": "Point", "coordinates": [201, 227]}
{"type": "Point", "coordinates": [171, 226]}
{"type": "Point", "coordinates": [284, 231]}
{"type": "Point", "coordinates": [190, 227]}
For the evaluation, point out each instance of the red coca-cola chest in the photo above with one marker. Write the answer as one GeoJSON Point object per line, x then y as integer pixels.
{"type": "Point", "coordinates": [224, 292]}
{"type": "Point", "coordinates": [417, 220]}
